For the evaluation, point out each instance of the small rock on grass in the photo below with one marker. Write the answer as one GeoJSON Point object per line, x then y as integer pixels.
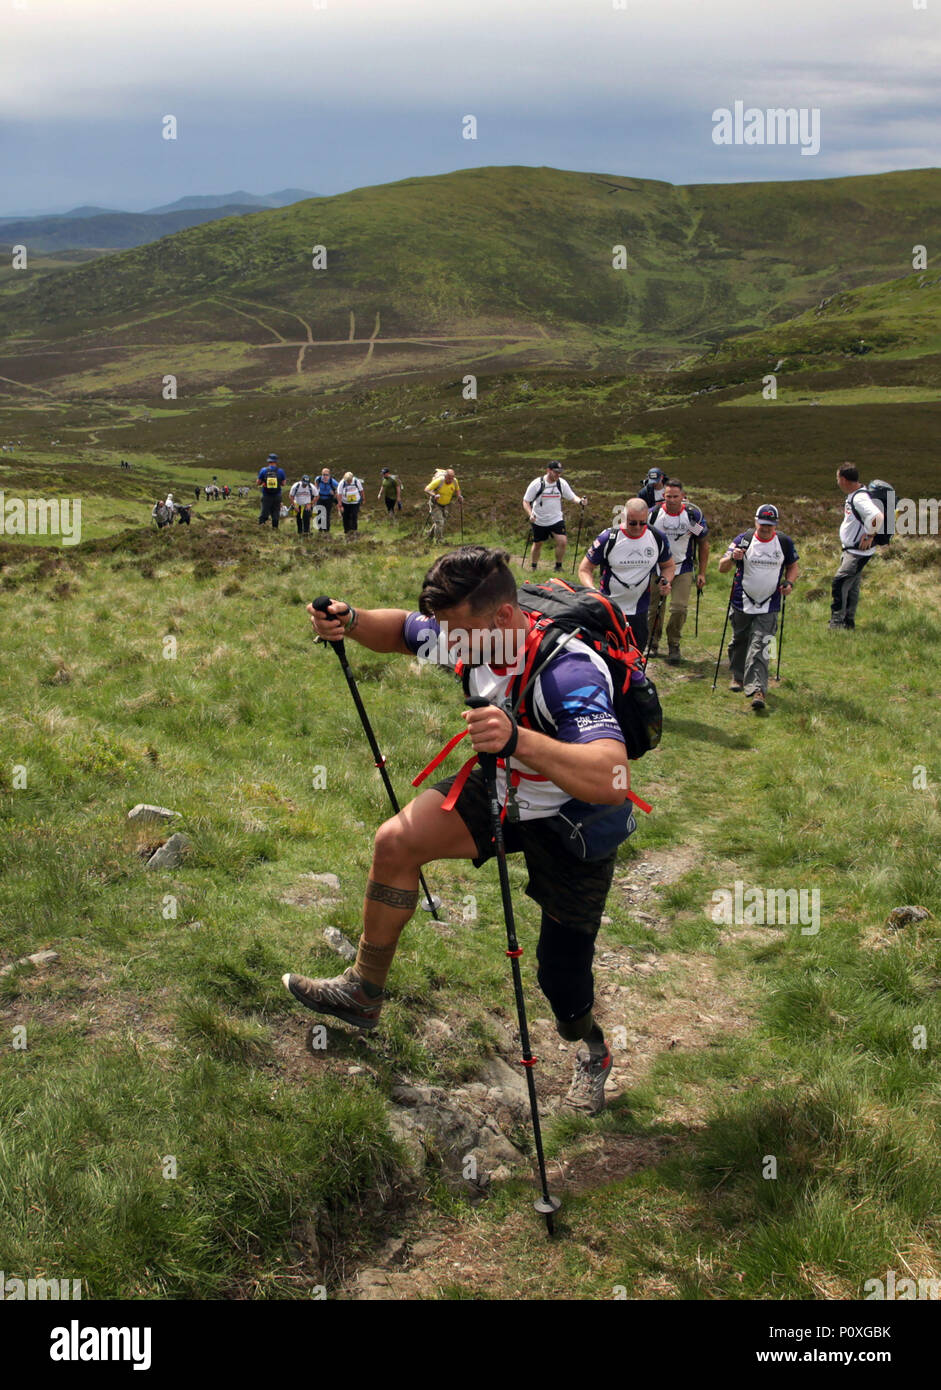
{"type": "Point", "coordinates": [39, 958]}
{"type": "Point", "coordinates": [904, 916]}
{"type": "Point", "coordinates": [338, 942]}
{"type": "Point", "coordinates": [144, 812]}
{"type": "Point", "coordinates": [169, 855]}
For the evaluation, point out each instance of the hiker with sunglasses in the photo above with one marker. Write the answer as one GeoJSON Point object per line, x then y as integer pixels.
{"type": "Point", "coordinates": [627, 556]}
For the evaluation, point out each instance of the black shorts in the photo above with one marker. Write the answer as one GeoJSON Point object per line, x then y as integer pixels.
{"type": "Point", "coordinates": [390, 504]}
{"type": "Point", "coordinates": [542, 533]}
{"type": "Point", "coordinates": [572, 891]}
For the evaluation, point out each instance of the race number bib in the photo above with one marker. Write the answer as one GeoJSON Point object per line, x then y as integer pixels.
{"type": "Point", "coordinates": [271, 480]}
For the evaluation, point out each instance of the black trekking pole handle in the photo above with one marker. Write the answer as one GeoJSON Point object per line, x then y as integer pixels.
{"type": "Point", "coordinates": [321, 604]}
{"type": "Point", "coordinates": [546, 1205]}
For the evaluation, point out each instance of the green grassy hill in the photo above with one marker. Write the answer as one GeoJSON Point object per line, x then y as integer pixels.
{"type": "Point", "coordinates": [488, 267]}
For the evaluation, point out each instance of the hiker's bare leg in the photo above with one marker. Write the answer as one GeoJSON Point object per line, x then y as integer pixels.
{"type": "Point", "coordinates": [420, 833]}
{"type": "Point", "coordinates": [560, 543]}
{"type": "Point", "coordinates": [534, 557]}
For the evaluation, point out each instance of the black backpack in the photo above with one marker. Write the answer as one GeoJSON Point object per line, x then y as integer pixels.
{"type": "Point", "coordinates": [565, 610]}
{"type": "Point", "coordinates": [880, 493]}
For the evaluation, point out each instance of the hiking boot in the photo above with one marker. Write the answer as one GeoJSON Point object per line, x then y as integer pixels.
{"type": "Point", "coordinates": [343, 996]}
{"type": "Point", "coordinates": [850, 623]}
{"type": "Point", "coordinates": [586, 1093]}
{"type": "Point", "coordinates": [653, 651]}
{"type": "Point", "coordinates": [758, 700]}
{"type": "Point", "coordinates": [673, 656]}
{"type": "Point", "coordinates": [836, 622]}
{"type": "Point", "coordinates": [735, 685]}
{"type": "Point", "coordinates": [558, 569]}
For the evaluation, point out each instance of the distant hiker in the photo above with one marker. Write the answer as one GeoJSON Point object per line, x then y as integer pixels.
{"type": "Point", "coordinates": [862, 522]}
{"type": "Point", "coordinates": [271, 478]}
{"type": "Point", "coordinates": [390, 489]}
{"type": "Point", "coordinates": [302, 496]}
{"type": "Point", "coordinates": [628, 555]}
{"type": "Point", "coordinates": [685, 528]}
{"type": "Point", "coordinates": [443, 489]}
{"type": "Point", "coordinates": [183, 513]}
{"type": "Point", "coordinates": [472, 590]}
{"type": "Point", "coordinates": [350, 495]}
{"type": "Point", "coordinates": [651, 489]}
{"type": "Point", "coordinates": [161, 513]}
{"type": "Point", "coordinates": [766, 567]}
{"type": "Point", "coordinates": [225, 489]}
{"type": "Point", "coordinates": [198, 491]}
{"type": "Point", "coordinates": [326, 498]}
{"type": "Point", "coordinates": [542, 503]}
{"type": "Point", "coordinates": [170, 505]}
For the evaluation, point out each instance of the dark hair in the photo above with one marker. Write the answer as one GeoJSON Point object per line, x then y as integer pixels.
{"type": "Point", "coordinates": [475, 574]}
{"type": "Point", "coordinates": [673, 482]}
{"type": "Point", "coordinates": [850, 472]}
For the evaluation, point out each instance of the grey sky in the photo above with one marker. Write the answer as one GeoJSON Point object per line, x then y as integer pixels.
{"type": "Point", "coordinates": [285, 93]}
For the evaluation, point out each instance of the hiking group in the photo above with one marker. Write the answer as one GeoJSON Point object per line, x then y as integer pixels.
{"type": "Point", "coordinates": [559, 704]}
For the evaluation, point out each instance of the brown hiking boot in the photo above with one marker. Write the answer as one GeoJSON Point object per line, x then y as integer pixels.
{"type": "Point", "coordinates": [342, 996]}
{"type": "Point", "coordinates": [586, 1093]}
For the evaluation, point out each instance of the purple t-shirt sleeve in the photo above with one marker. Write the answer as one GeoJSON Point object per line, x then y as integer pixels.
{"type": "Point", "coordinates": [420, 633]}
{"type": "Point", "coordinates": [663, 546]}
{"type": "Point", "coordinates": [596, 552]}
{"type": "Point", "coordinates": [577, 698]}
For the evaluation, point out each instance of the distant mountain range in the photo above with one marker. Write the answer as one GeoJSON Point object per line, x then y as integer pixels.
{"type": "Point", "coordinates": [112, 229]}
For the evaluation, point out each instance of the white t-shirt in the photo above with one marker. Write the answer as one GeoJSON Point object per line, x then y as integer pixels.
{"type": "Point", "coordinates": [547, 508]}
{"type": "Point", "coordinates": [631, 561]}
{"type": "Point", "coordinates": [302, 493]}
{"type": "Point", "coordinates": [852, 529]}
{"type": "Point", "coordinates": [350, 492]}
{"type": "Point", "coordinates": [760, 573]}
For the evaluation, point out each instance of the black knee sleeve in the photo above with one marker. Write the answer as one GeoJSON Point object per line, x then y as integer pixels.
{"type": "Point", "coordinates": [565, 978]}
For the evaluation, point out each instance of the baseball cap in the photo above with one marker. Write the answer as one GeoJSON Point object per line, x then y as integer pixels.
{"type": "Point", "coordinates": [387, 470]}
{"type": "Point", "coordinates": [306, 478]}
{"type": "Point", "coordinates": [555, 465]}
{"type": "Point", "coordinates": [655, 474]}
{"type": "Point", "coordinates": [272, 458]}
{"type": "Point", "coordinates": [767, 515]}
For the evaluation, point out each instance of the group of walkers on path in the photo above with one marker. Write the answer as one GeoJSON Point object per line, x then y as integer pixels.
{"type": "Point", "coordinates": [551, 748]}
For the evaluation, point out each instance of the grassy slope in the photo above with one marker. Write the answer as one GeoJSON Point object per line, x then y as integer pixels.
{"type": "Point", "coordinates": [483, 251]}
{"type": "Point", "coordinates": [158, 1036]}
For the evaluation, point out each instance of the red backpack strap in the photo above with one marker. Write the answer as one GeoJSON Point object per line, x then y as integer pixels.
{"type": "Point", "coordinates": [439, 758]}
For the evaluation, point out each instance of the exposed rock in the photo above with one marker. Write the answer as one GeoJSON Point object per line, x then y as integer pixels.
{"type": "Point", "coordinates": [328, 880]}
{"type": "Point", "coordinates": [144, 812]}
{"type": "Point", "coordinates": [454, 1128]}
{"type": "Point", "coordinates": [338, 942]}
{"type": "Point", "coordinates": [904, 916]}
{"type": "Point", "coordinates": [169, 855]}
{"type": "Point", "coordinates": [436, 1032]}
{"type": "Point", "coordinates": [38, 958]}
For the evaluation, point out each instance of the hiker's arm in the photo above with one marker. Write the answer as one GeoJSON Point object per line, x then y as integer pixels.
{"type": "Point", "coordinates": [703, 561]}
{"type": "Point", "coordinates": [791, 573]}
{"type": "Point", "coordinates": [667, 571]}
{"type": "Point", "coordinates": [587, 771]}
{"type": "Point", "coordinates": [586, 573]}
{"type": "Point", "coordinates": [379, 629]}
{"type": "Point", "coordinates": [731, 558]}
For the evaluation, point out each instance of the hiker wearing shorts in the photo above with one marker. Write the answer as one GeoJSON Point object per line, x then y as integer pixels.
{"type": "Point", "coordinates": [542, 503]}
{"type": "Point", "coordinates": [470, 594]}
{"type": "Point", "coordinates": [271, 478]}
{"type": "Point", "coordinates": [862, 521]}
{"type": "Point", "coordinates": [390, 491]}
{"type": "Point", "coordinates": [443, 489]}
{"type": "Point", "coordinates": [685, 528]}
{"type": "Point", "coordinates": [628, 555]}
{"type": "Point", "coordinates": [766, 569]}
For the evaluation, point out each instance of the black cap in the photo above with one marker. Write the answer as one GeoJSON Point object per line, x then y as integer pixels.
{"type": "Point", "coordinates": [767, 515]}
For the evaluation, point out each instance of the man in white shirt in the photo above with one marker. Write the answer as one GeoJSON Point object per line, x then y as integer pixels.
{"type": "Point", "coordinates": [302, 499]}
{"type": "Point", "coordinates": [628, 556]}
{"type": "Point", "coordinates": [542, 503]}
{"type": "Point", "coordinates": [862, 521]}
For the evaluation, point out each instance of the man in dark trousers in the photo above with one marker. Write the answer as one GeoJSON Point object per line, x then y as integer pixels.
{"type": "Point", "coordinates": [271, 479]}
{"type": "Point", "coordinates": [469, 595]}
{"type": "Point", "coordinates": [862, 522]}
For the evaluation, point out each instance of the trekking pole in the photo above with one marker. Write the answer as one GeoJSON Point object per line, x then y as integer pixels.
{"type": "Point", "coordinates": [777, 674]}
{"type": "Point", "coordinates": [695, 579]}
{"type": "Point", "coordinates": [527, 537]}
{"type": "Point", "coordinates": [431, 904]}
{"type": "Point", "coordinates": [653, 626]}
{"type": "Point", "coordinates": [581, 515]}
{"type": "Point", "coordinates": [698, 597]}
{"type": "Point", "coordinates": [728, 609]}
{"type": "Point", "coordinates": [545, 1204]}
{"type": "Point", "coordinates": [461, 504]}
